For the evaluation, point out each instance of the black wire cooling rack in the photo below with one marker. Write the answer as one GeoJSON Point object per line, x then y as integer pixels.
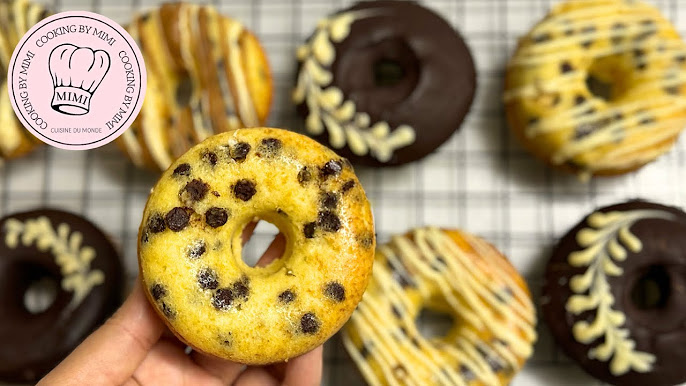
{"type": "Point", "coordinates": [480, 181]}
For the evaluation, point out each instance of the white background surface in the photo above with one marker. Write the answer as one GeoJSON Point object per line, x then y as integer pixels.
{"type": "Point", "coordinates": [481, 180]}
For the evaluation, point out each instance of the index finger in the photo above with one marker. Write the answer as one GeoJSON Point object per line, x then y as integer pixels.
{"type": "Point", "coordinates": [113, 352]}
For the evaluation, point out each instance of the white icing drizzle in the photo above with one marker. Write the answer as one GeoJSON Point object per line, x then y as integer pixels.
{"type": "Point", "coordinates": [495, 318]}
{"type": "Point", "coordinates": [158, 120]}
{"type": "Point", "coordinates": [618, 122]}
{"type": "Point", "coordinates": [73, 258]}
{"type": "Point", "coordinates": [605, 242]}
{"type": "Point", "coordinates": [328, 108]}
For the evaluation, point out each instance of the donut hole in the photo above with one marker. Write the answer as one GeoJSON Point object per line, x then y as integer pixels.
{"type": "Point", "coordinates": [258, 243]}
{"type": "Point", "coordinates": [651, 291]}
{"type": "Point", "coordinates": [607, 77]}
{"type": "Point", "coordinates": [41, 293]}
{"type": "Point", "coordinates": [433, 323]}
{"type": "Point", "coordinates": [599, 88]}
{"type": "Point", "coordinates": [388, 72]}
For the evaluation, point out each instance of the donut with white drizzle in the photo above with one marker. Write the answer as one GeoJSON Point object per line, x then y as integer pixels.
{"type": "Point", "coordinates": [16, 18]}
{"type": "Point", "coordinates": [597, 87]}
{"type": "Point", "coordinates": [207, 74]}
{"type": "Point", "coordinates": [451, 272]}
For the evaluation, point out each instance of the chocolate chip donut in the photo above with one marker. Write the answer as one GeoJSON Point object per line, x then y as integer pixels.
{"type": "Point", "coordinates": [615, 294]}
{"type": "Point", "coordinates": [69, 258]}
{"type": "Point", "coordinates": [384, 82]}
{"type": "Point", "coordinates": [16, 18]}
{"type": "Point", "coordinates": [190, 245]}
{"type": "Point", "coordinates": [451, 272]}
{"type": "Point", "coordinates": [206, 74]}
{"type": "Point", "coordinates": [597, 87]}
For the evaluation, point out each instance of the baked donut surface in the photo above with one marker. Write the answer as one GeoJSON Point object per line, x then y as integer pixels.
{"type": "Point", "coordinates": [384, 82]}
{"type": "Point", "coordinates": [60, 251]}
{"type": "Point", "coordinates": [206, 74]}
{"type": "Point", "coordinates": [597, 87]}
{"type": "Point", "coordinates": [615, 294]}
{"type": "Point", "coordinates": [190, 245]}
{"type": "Point", "coordinates": [16, 18]}
{"type": "Point", "coordinates": [451, 272]}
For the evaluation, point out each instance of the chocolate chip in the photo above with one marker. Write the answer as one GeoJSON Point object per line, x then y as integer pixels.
{"type": "Point", "coordinates": [541, 38]}
{"type": "Point", "coordinates": [158, 291]}
{"type": "Point", "coordinates": [195, 190]}
{"type": "Point", "coordinates": [402, 278]}
{"type": "Point", "coordinates": [216, 217]}
{"type": "Point", "coordinates": [335, 291]}
{"type": "Point", "coordinates": [304, 175]}
{"type": "Point", "coordinates": [566, 67]}
{"type": "Point", "coordinates": [439, 264]}
{"type": "Point", "coordinates": [579, 99]}
{"type": "Point", "coordinates": [673, 90]}
{"type": "Point", "coordinates": [466, 373]}
{"type": "Point", "coordinates": [241, 288]}
{"type": "Point", "coordinates": [396, 311]}
{"type": "Point", "coordinates": [270, 146]}
{"type": "Point", "coordinates": [281, 212]}
{"type": "Point", "coordinates": [222, 299]}
{"type": "Point", "coordinates": [364, 351]}
{"type": "Point", "coordinates": [533, 121]}
{"type": "Point", "coordinates": [587, 30]}
{"type": "Point", "coordinates": [647, 120]}
{"type": "Point", "coordinates": [617, 27]}
{"type": "Point", "coordinates": [177, 219]}
{"type": "Point", "coordinates": [182, 170]}
{"type": "Point", "coordinates": [168, 311]}
{"type": "Point", "coordinates": [329, 200]}
{"type": "Point", "coordinates": [681, 59]}
{"type": "Point", "coordinates": [588, 128]}
{"type": "Point", "coordinates": [210, 157]}
{"type": "Point", "coordinates": [328, 221]}
{"type": "Point", "coordinates": [240, 151]}
{"type": "Point", "coordinates": [197, 249]}
{"type": "Point", "coordinates": [347, 186]}
{"type": "Point", "coordinates": [287, 296]}
{"type": "Point", "coordinates": [207, 279]}
{"type": "Point", "coordinates": [156, 223]}
{"type": "Point", "coordinates": [226, 340]}
{"type": "Point", "coordinates": [309, 324]}
{"type": "Point", "coordinates": [366, 241]}
{"type": "Point", "coordinates": [641, 66]}
{"type": "Point", "coordinates": [639, 53]}
{"type": "Point", "coordinates": [244, 189]}
{"type": "Point", "coordinates": [331, 168]}
{"type": "Point", "coordinates": [308, 230]}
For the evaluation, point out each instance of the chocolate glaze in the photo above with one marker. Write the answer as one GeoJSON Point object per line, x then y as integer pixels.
{"type": "Point", "coordinates": [660, 331]}
{"type": "Point", "coordinates": [32, 344]}
{"type": "Point", "coordinates": [437, 88]}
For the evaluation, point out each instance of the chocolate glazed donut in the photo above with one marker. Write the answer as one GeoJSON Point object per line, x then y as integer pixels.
{"type": "Point", "coordinates": [615, 294]}
{"type": "Point", "coordinates": [67, 251]}
{"type": "Point", "coordinates": [384, 82]}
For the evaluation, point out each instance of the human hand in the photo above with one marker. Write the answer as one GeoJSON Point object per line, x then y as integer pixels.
{"type": "Point", "coordinates": [135, 348]}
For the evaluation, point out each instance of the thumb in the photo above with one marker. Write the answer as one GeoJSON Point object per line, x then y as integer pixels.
{"type": "Point", "coordinates": [112, 353]}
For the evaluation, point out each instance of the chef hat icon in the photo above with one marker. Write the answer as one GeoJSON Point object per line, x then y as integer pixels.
{"type": "Point", "coordinates": [76, 74]}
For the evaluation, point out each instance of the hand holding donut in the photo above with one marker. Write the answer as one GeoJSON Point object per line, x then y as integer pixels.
{"type": "Point", "coordinates": [134, 348]}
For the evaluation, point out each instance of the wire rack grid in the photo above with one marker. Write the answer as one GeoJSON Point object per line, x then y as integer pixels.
{"type": "Point", "coordinates": [480, 180]}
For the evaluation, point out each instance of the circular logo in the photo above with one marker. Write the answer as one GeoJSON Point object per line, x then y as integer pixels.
{"type": "Point", "coordinates": [77, 80]}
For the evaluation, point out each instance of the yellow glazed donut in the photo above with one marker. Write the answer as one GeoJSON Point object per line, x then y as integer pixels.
{"type": "Point", "coordinates": [16, 18]}
{"type": "Point", "coordinates": [451, 272]}
{"type": "Point", "coordinates": [190, 245]}
{"type": "Point", "coordinates": [597, 87]}
{"type": "Point", "coordinates": [206, 74]}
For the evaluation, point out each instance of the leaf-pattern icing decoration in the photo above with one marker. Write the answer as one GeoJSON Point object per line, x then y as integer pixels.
{"type": "Point", "coordinates": [328, 108]}
{"type": "Point", "coordinates": [605, 242]}
{"type": "Point", "coordinates": [72, 257]}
